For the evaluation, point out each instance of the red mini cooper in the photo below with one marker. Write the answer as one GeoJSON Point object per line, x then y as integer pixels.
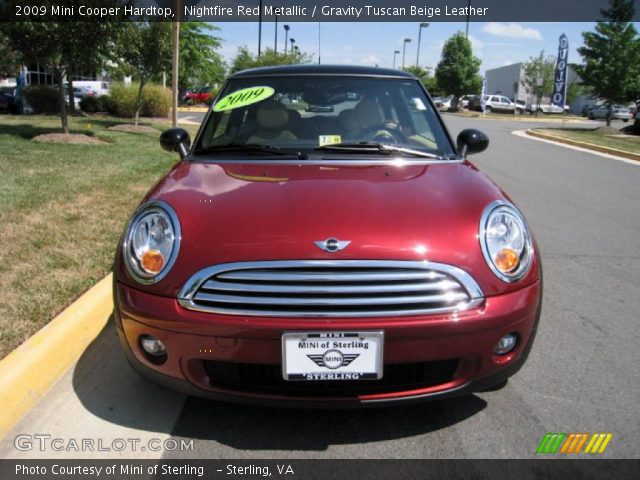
{"type": "Point", "coordinates": [344, 255]}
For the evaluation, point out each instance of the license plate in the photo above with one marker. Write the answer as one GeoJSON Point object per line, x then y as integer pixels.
{"type": "Point", "coordinates": [325, 356]}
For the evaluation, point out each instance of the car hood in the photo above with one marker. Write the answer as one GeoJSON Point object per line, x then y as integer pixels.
{"type": "Point", "coordinates": [244, 212]}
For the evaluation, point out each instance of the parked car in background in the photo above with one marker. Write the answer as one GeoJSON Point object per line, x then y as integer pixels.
{"type": "Point", "coordinates": [345, 259]}
{"type": "Point", "coordinates": [7, 99]}
{"type": "Point", "coordinates": [522, 106]}
{"type": "Point", "coordinates": [201, 95]}
{"type": "Point", "coordinates": [548, 108]}
{"type": "Point", "coordinates": [442, 103]}
{"type": "Point", "coordinates": [82, 92]}
{"type": "Point", "coordinates": [499, 103]}
{"type": "Point", "coordinates": [465, 100]}
{"type": "Point", "coordinates": [619, 112]}
{"type": "Point", "coordinates": [99, 87]}
{"type": "Point", "coordinates": [475, 103]}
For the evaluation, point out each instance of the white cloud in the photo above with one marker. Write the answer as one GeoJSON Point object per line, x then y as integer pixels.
{"type": "Point", "coordinates": [512, 30]}
{"type": "Point", "coordinates": [370, 60]}
{"type": "Point", "coordinates": [476, 43]}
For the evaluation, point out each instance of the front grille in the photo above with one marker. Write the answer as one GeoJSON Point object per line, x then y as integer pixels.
{"type": "Point", "coordinates": [267, 379]}
{"type": "Point", "coordinates": [321, 288]}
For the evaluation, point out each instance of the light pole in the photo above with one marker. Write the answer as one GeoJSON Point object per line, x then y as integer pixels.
{"type": "Point", "coordinates": [395, 53]}
{"type": "Point", "coordinates": [404, 49]}
{"type": "Point", "coordinates": [275, 42]}
{"type": "Point", "coordinates": [319, 43]}
{"type": "Point", "coordinates": [286, 36]}
{"type": "Point", "coordinates": [260, 29]}
{"type": "Point", "coordinates": [293, 41]}
{"type": "Point", "coordinates": [422, 25]}
{"type": "Point", "coordinates": [466, 35]}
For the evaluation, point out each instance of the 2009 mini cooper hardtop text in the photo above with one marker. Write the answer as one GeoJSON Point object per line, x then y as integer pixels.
{"type": "Point", "coordinates": [344, 254]}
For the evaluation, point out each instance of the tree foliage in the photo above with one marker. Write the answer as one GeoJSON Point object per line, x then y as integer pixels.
{"type": "Point", "coordinates": [537, 76]}
{"type": "Point", "coordinates": [61, 47]}
{"type": "Point", "coordinates": [611, 56]}
{"type": "Point", "coordinates": [457, 72]}
{"type": "Point", "coordinates": [10, 59]}
{"type": "Point", "coordinates": [245, 59]}
{"type": "Point", "coordinates": [424, 75]}
{"type": "Point", "coordinates": [146, 48]}
{"type": "Point", "coordinates": [200, 63]}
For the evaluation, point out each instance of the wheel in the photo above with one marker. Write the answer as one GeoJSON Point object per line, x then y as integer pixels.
{"type": "Point", "coordinates": [393, 132]}
{"type": "Point", "coordinates": [590, 116]}
{"type": "Point", "coordinates": [488, 109]}
{"type": "Point", "coordinates": [625, 120]}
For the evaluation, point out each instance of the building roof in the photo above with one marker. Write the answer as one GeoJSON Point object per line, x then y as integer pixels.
{"type": "Point", "coordinates": [301, 69]}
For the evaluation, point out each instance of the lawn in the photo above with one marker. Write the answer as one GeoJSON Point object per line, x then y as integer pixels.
{"type": "Point", "coordinates": [63, 209]}
{"type": "Point", "coordinates": [602, 137]}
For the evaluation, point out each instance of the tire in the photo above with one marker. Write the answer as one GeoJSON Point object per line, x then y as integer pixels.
{"type": "Point", "coordinates": [590, 116]}
{"type": "Point", "coordinates": [497, 386]}
{"type": "Point", "coordinates": [488, 109]}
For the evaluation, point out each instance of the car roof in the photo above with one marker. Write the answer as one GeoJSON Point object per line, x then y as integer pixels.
{"type": "Point", "coordinates": [322, 70]}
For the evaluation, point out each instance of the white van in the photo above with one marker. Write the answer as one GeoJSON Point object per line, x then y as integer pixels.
{"type": "Point", "coordinates": [100, 87]}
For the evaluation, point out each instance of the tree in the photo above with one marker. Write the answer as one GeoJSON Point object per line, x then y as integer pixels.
{"type": "Point", "coordinates": [10, 59]}
{"type": "Point", "coordinates": [611, 56]}
{"type": "Point", "coordinates": [244, 59]}
{"type": "Point", "coordinates": [457, 72]}
{"type": "Point", "coordinates": [424, 75]}
{"type": "Point", "coordinates": [538, 75]}
{"type": "Point", "coordinates": [200, 63]}
{"type": "Point", "coordinates": [146, 48]}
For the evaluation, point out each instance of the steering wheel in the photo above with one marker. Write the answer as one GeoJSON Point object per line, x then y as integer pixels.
{"type": "Point", "coordinates": [389, 131]}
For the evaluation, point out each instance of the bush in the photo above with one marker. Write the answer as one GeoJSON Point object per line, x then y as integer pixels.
{"type": "Point", "coordinates": [42, 99]}
{"type": "Point", "coordinates": [89, 104]}
{"type": "Point", "coordinates": [156, 101]}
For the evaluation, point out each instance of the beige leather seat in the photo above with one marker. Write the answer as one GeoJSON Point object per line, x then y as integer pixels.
{"type": "Point", "coordinates": [272, 119]}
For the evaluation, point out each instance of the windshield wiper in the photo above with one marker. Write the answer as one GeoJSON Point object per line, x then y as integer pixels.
{"type": "Point", "coordinates": [375, 147]}
{"type": "Point", "coordinates": [245, 147]}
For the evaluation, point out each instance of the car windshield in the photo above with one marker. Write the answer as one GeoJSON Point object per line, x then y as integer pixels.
{"type": "Point", "coordinates": [307, 114]}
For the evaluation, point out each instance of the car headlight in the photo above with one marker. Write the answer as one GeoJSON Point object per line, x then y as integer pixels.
{"type": "Point", "coordinates": [505, 241]}
{"type": "Point", "coordinates": [151, 242]}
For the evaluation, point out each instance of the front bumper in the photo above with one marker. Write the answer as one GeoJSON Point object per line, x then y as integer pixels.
{"type": "Point", "coordinates": [195, 338]}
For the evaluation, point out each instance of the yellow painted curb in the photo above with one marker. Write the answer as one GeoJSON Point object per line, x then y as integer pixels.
{"type": "Point", "coordinates": [520, 118]}
{"type": "Point", "coordinates": [193, 109]}
{"type": "Point", "coordinates": [590, 146]}
{"type": "Point", "coordinates": [28, 372]}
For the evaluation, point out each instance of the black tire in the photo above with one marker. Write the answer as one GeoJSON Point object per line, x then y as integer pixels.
{"type": "Point", "coordinates": [590, 116]}
{"type": "Point", "coordinates": [497, 386]}
{"type": "Point", "coordinates": [488, 109]}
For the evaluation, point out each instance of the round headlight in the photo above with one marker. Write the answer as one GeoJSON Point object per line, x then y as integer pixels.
{"type": "Point", "coordinates": [151, 242]}
{"type": "Point", "coordinates": [505, 241]}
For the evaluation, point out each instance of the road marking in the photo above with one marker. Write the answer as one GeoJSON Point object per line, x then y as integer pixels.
{"type": "Point", "coordinates": [523, 134]}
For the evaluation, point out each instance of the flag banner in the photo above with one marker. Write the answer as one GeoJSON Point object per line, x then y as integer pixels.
{"type": "Point", "coordinates": [559, 96]}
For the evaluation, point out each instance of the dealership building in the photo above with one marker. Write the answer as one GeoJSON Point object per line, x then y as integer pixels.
{"type": "Point", "coordinates": [507, 81]}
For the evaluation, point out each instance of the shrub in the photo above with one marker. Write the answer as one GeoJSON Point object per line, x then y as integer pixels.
{"type": "Point", "coordinates": [102, 103]}
{"type": "Point", "coordinates": [43, 99]}
{"type": "Point", "coordinates": [89, 104]}
{"type": "Point", "coordinates": [156, 101]}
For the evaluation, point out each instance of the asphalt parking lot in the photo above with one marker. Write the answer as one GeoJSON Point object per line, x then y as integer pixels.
{"type": "Point", "coordinates": [582, 374]}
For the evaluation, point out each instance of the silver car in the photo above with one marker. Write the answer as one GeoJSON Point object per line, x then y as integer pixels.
{"type": "Point", "coordinates": [619, 112]}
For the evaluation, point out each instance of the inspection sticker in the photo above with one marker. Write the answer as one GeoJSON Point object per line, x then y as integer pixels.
{"type": "Point", "coordinates": [329, 139]}
{"type": "Point", "coordinates": [242, 98]}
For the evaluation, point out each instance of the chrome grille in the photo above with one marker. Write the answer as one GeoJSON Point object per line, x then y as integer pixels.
{"type": "Point", "coordinates": [327, 288]}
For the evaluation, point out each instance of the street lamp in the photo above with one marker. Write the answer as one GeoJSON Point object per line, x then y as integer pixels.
{"type": "Point", "coordinates": [275, 41]}
{"type": "Point", "coordinates": [293, 41]}
{"type": "Point", "coordinates": [260, 30]}
{"type": "Point", "coordinates": [286, 36]}
{"type": "Point", "coordinates": [466, 35]}
{"type": "Point", "coordinates": [404, 49]}
{"type": "Point", "coordinates": [395, 53]}
{"type": "Point", "coordinates": [422, 25]}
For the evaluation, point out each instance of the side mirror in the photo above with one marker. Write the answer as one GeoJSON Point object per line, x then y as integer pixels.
{"type": "Point", "coordinates": [472, 141]}
{"type": "Point", "coordinates": [176, 140]}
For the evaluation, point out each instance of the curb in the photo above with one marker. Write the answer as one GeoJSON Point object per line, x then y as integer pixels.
{"type": "Point", "coordinates": [27, 373]}
{"type": "Point", "coordinates": [519, 118]}
{"type": "Point", "coordinates": [193, 109]}
{"type": "Point", "coordinates": [589, 146]}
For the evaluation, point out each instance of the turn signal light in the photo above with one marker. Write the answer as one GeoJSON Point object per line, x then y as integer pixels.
{"type": "Point", "coordinates": [507, 260]}
{"type": "Point", "coordinates": [152, 261]}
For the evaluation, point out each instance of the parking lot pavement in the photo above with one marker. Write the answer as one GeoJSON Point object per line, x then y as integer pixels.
{"type": "Point", "coordinates": [581, 375]}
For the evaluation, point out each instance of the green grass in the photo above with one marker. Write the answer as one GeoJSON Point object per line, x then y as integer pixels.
{"type": "Point", "coordinates": [628, 143]}
{"type": "Point", "coordinates": [63, 210]}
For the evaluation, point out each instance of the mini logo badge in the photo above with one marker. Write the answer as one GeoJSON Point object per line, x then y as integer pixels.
{"type": "Point", "coordinates": [332, 245]}
{"type": "Point", "coordinates": [333, 359]}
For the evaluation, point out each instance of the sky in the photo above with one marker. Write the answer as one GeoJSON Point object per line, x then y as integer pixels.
{"type": "Point", "coordinates": [365, 43]}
